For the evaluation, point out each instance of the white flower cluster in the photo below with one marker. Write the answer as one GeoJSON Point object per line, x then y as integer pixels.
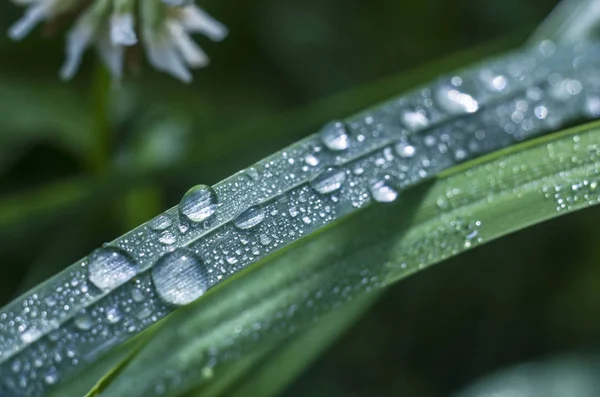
{"type": "Point", "coordinates": [113, 25]}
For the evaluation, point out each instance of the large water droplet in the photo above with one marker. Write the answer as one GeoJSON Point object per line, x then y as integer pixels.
{"type": "Point", "coordinates": [250, 218]}
{"type": "Point", "coordinates": [199, 203]}
{"type": "Point", "coordinates": [110, 267]}
{"type": "Point", "coordinates": [384, 191]}
{"type": "Point", "coordinates": [329, 180]}
{"type": "Point", "coordinates": [179, 277]}
{"type": "Point", "coordinates": [335, 136]}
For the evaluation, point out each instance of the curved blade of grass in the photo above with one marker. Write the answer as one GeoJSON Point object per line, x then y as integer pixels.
{"type": "Point", "coordinates": [296, 181]}
{"type": "Point", "coordinates": [266, 304]}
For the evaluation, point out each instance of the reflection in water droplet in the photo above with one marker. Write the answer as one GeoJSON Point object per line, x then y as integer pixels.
{"type": "Point", "coordinates": [454, 101]}
{"type": "Point", "coordinates": [161, 222]}
{"type": "Point", "coordinates": [335, 136]}
{"type": "Point", "coordinates": [110, 267]}
{"type": "Point", "coordinates": [405, 150]}
{"type": "Point", "coordinates": [329, 180]}
{"type": "Point", "coordinates": [179, 277]}
{"type": "Point", "coordinates": [250, 218]}
{"type": "Point", "coordinates": [199, 203]}
{"type": "Point", "coordinates": [384, 191]}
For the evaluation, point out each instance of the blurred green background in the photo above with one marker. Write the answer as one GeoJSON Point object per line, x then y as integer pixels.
{"type": "Point", "coordinates": [82, 162]}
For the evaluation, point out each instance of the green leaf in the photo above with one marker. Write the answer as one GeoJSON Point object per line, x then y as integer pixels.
{"type": "Point", "coordinates": [269, 302]}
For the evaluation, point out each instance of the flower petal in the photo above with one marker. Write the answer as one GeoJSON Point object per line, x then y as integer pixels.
{"type": "Point", "coordinates": [194, 19]}
{"type": "Point", "coordinates": [122, 30]}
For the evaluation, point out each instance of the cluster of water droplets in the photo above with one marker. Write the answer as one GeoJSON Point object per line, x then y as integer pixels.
{"type": "Point", "coordinates": [52, 332]}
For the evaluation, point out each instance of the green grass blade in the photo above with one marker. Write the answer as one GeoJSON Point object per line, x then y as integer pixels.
{"type": "Point", "coordinates": [348, 166]}
{"type": "Point", "coordinates": [259, 308]}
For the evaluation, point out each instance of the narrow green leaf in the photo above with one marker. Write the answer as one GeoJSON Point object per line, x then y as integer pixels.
{"type": "Point", "coordinates": [259, 308]}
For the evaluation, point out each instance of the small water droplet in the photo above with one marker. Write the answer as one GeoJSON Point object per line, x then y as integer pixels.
{"type": "Point", "coordinates": [179, 277]}
{"type": "Point", "coordinates": [414, 120]}
{"type": "Point", "coordinates": [250, 218]}
{"type": "Point", "coordinates": [167, 238]}
{"type": "Point", "coordinates": [113, 316]}
{"type": "Point", "coordinates": [405, 150]}
{"type": "Point", "coordinates": [137, 295]}
{"type": "Point", "coordinates": [253, 173]}
{"type": "Point", "coordinates": [51, 376]}
{"type": "Point", "coordinates": [335, 136]}
{"type": "Point", "coordinates": [30, 335]}
{"type": "Point", "coordinates": [161, 222]}
{"type": "Point", "coordinates": [329, 180]}
{"type": "Point", "coordinates": [265, 239]}
{"type": "Point", "coordinates": [199, 203]}
{"type": "Point", "coordinates": [384, 191]}
{"type": "Point", "coordinates": [455, 101]}
{"type": "Point", "coordinates": [84, 322]}
{"type": "Point", "coordinates": [311, 160]}
{"type": "Point", "coordinates": [110, 267]}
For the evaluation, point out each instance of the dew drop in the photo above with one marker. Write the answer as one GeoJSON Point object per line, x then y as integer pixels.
{"type": "Point", "coordinates": [199, 203]}
{"type": "Point", "coordinates": [84, 322]}
{"type": "Point", "coordinates": [113, 316]}
{"type": "Point", "coordinates": [250, 218]}
{"type": "Point", "coordinates": [30, 335]}
{"type": "Point", "coordinates": [51, 376]}
{"type": "Point", "coordinates": [110, 267]}
{"type": "Point", "coordinates": [161, 222]}
{"type": "Point", "coordinates": [414, 120]}
{"type": "Point", "coordinates": [455, 101]}
{"type": "Point", "coordinates": [179, 277]}
{"type": "Point", "coordinates": [335, 136]}
{"type": "Point", "coordinates": [329, 180]}
{"type": "Point", "coordinates": [265, 239]}
{"type": "Point", "coordinates": [167, 238]}
{"type": "Point", "coordinates": [384, 191]}
{"type": "Point", "coordinates": [405, 150]}
{"type": "Point", "coordinates": [311, 160]}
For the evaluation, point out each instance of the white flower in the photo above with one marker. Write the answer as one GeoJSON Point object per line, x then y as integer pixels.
{"type": "Point", "coordinates": [110, 25]}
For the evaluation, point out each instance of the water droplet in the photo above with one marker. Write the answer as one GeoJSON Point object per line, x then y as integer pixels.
{"type": "Point", "coordinates": [199, 203]}
{"type": "Point", "coordinates": [137, 295]}
{"type": "Point", "coordinates": [311, 160]}
{"type": "Point", "coordinates": [265, 239]}
{"type": "Point", "coordinates": [253, 173]}
{"type": "Point", "coordinates": [179, 277]}
{"type": "Point", "coordinates": [84, 322]}
{"type": "Point", "coordinates": [335, 136]}
{"type": "Point", "coordinates": [455, 101]}
{"type": "Point", "coordinates": [329, 180]}
{"type": "Point", "coordinates": [405, 150]}
{"type": "Point", "coordinates": [30, 335]}
{"type": "Point", "coordinates": [592, 106]}
{"type": "Point", "coordinates": [161, 222]}
{"type": "Point", "coordinates": [384, 191]}
{"type": "Point", "coordinates": [113, 316]}
{"type": "Point", "coordinates": [250, 218]}
{"type": "Point", "coordinates": [110, 267]}
{"type": "Point", "coordinates": [51, 376]}
{"type": "Point", "coordinates": [167, 238]}
{"type": "Point", "coordinates": [414, 120]}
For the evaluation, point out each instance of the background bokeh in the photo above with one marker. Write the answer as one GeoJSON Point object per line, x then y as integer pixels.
{"type": "Point", "coordinates": [82, 162]}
